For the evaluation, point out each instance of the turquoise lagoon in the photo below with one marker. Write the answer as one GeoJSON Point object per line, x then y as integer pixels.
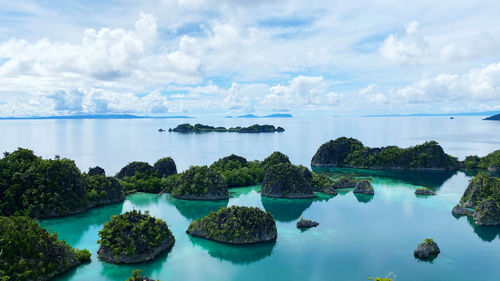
{"type": "Point", "coordinates": [358, 236]}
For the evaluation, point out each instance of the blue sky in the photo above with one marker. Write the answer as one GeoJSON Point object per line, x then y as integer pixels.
{"type": "Point", "coordinates": [228, 57]}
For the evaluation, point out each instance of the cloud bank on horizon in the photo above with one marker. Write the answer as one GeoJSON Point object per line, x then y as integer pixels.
{"type": "Point", "coordinates": [225, 57]}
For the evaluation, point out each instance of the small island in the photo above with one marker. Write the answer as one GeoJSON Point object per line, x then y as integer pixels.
{"type": "Point", "coordinates": [351, 153]}
{"type": "Point", "coordinates": [235, 225]}
{"type": "Point", "coordinates": [142, 177]}
{"type": "Point", "coordinates": [481, 200]}
{"type": "Point", "coordinates": [29, 252]}
{"type": "Point", "coordinates": [286, 181]}
{"type": "Point", "coordinates": [137, 276]}
{"type": "Point", "coordinates": [364, 187]}
{"type": "Point", "coordinates": [133, 237]}
{"type": "Point", "coordinates": [201, 183]}
{"type": "Point", "coordinates": [200, 128]}
{"type": "Point", "coordinates": [427, 250]}
{"type": "Point", "coordinates": [424, 191]}
{"type": "Point", "coordinates": [305, 223]}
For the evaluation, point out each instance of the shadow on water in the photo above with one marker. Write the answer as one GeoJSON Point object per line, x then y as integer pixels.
{"type": "Point", "coordinates": [194, 209]}
{"type": "Point", "coordinates": [364, 198]}
{"type": "Point", "coordinates": [433, 179]}
{"type": "Point", "coordinates": [286, 210]}
{"type": "Point", "coordinates": [486, 233]}
{"type": "Point", "coordinates": [80, 223]}
{"type": "Point", "coordinates": [236, 254]}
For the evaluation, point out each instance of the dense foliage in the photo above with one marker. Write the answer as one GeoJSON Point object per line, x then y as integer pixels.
{"type": "Point", "coordinates": [480, 188]}
{"type": "Point", "coordinates": [133, 233]}
{"type": "Point", "coordinates": [274, 159]}
{"type": "Point", "coordinates": [96, 171]}
{"type": "Point", "coordinates": [165, 167]}
{"type": "Point", "coordinates": [29, 252]}
{"type": "Point", "coordinates": [237, 171]}
{"type": "Point", "coordinates": [132, 168]}
{"type": "Point", "coordinates": [39, 187]}
{"type": "Point", "coordinates": [349, 152]}
{"type": "Point", "coordinates": [169, 182]}
{"type": "Point", "coordinates": [200, 128]}
{"type": "Point", "coordinates": [46, 188]}
{"type": "Point", "coordinates": [489, 162]}
{"type": "Point", "coordinates": [286, 180]}
{"type": "Point", "coordinates": [201, 182]}
{"type": "Point", "coordinates": [238, 225]}
{"type": "Point", "coordinates": [136, 276]}
{"type": "Point", "coordinates": [101, 190]}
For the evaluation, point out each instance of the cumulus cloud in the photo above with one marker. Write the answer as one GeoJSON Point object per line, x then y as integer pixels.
{"type": "Point", "coordinates": [302, 91]}
{"type": "Point", "coordinates": [408, 48]}
{"type": "Point", "coordinates": [481, 84]}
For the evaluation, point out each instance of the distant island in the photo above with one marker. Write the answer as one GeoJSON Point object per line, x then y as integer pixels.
{"type": "Point", "coordinates": [200, 128]}
{"type": "Point", "coordinates": [105, 116]}
{"type": "Point", "coordinates": [495, 117]}
{"type": "Point", "coordinates": [275, 115]}
{"type": "Point", "coordinates": [481, 113]}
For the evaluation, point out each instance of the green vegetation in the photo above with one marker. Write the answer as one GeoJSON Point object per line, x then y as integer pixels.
{"type": "Point", "coordinates": [380, 279]}
{"type": "Point", "coordinates": [235, 225]}
{"type": "Point", "coordinates": [140, 176]}
{"type": "Point", "coordinates": [136, 276]}
{"type": "Point", "coordinates": [286, 181]}
{"type": "Point", "coordinates": [274, 159]}
{"type": "Point", "coordinates": [101, 190]}
{"type": "Point", "coordinates": [29, 252]}
{"type": "Point", "coordinates": [349, 152]}
{"type": "Point", "coordinates": [169, 182]}
{"type": "Point", "coordinates": [201, 183]}
{"type": "Point", "coordinates": [96, 171]}
{"type": "Point", "coordinates": [429, 241]}
{"type": "Point", "coordinates": [39, 187]}
{"type": "Point", "coordinates": [480, 188]}
{"type": "Point", "coordinates": [489, 162]}
{"type": "Point", "coordinates": [200, 128]}
{"type": "Point", "coordinates": [133, 237]}
{"type": "Point", "coordinates": [237, 171]}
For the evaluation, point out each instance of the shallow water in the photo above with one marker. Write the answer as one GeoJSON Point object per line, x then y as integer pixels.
{"type": "Point", "coordinates": [358, 236]}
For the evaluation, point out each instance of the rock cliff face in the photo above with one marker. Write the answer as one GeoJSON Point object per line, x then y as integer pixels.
{"type": "Point", "coordinates": [427, 250]}
{"type": "Point", "coordinates": [235, 225]}
{"type": "Point", "coordinates": [364, 187]}
{"type": "Point", "coordinates": [483, 196]}
{"type": "Point", "coordinates": [304, 223]}
{"type": "Point", "coordinates": [133, 237]}
{"type": "Point", "coordinates": [286, 181]}
{"type": "Point", "coordinates": [201, 183]}
{"type": "Point", "coordinates": [351, 153]}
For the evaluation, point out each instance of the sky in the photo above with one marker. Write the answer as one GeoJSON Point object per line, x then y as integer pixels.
{"type": "Point", "coordinates": [232, 57]}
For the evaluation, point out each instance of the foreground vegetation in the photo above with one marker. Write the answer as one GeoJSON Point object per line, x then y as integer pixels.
{"type": "Point", "coordinates": [45, 188]}
{"type": "Point", "coordinates": [133, 237]}
{"type": "Point", "coordinates": [235, 225]}
{"type": "Point", "coordinates": [136, 276]}
{"type": "Point", "coordinates": [29, 252]}
{"type": "Point", "coordinates": [200, 128]}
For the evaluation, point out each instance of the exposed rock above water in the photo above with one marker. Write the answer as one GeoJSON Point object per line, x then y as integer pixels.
{"type": "Point", "coordinates": [424, 191]}
{"type": "Point", "coordinates": [364, 187]}
{"type": "Point", "coordinates": [305, 223]}
{"type": "Point", "coordinates": [427, 250]}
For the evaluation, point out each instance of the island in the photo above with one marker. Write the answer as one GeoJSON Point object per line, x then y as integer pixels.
{"type": "Point", "coordinates": [239, 172]}
{"type": "Point", "coordinates": [200, 128]}
{"type": "Point", "coordinates": [133, 237]}
{"type": "Point", "coordinates": [481, 200]}
{"type": "Point", "coordinates": [201, 183]}
{"type": "Point", "coordinates": [29, 252]}
{"type": "Point", "coordinates": [275, 115]}
{"type": "Point", "coordinates": [427, 250]}
{"type": "Point", "coordinates": [364, 187]}
{"type": "Point", "coordinates": [137, 276]}
{"type": "Point", "coordinates": [318, 182]}
{"type": "Point", "coordinates": [424, 191]}
{"type": "Point", "coordinates": [46, 188]}
{"type": "Point", "coordinates": [495, 117]}
{"type": "Point", "coordinates": [305, 223]}
{"type": "Point", "coordinates": [351, 153]}
{"type": "Point", "coordinates": [490, 162]}
{"type": "Point", "coordinates": [235, 225]}
{"type": "Point", "coordinates": [286, 181]}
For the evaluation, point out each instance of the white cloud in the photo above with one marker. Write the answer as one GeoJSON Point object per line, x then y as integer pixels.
{"type": "Point", "coordinates": [409, 48]}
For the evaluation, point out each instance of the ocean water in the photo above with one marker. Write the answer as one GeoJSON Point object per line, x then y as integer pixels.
{"type": "Point", "coordinates": [358, 236]}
